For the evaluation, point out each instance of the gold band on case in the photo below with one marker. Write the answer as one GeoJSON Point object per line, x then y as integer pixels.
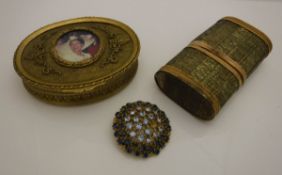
{"type": "Point", "coordinates": [187, 79]}
{"type": "Point", "coordinates": [223, 59]}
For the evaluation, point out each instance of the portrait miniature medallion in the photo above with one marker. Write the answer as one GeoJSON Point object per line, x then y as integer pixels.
{"type": "Point", "coordinates": [78, 48]}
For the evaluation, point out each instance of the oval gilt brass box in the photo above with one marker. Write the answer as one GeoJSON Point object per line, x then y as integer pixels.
{"type": "Point", "coordinates": [204, 75]}
{"type": "Point", "coordinates": [78, 60]}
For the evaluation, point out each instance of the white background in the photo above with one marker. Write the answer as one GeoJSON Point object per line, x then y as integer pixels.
{"type": "Point", "coordinates": [41, 139]}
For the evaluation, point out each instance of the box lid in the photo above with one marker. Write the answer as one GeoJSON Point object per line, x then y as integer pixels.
{"type": "Point", "coordinates": [77, 60]}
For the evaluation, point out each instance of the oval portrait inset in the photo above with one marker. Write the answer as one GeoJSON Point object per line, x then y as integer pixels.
{"type": "Point", "coordinates": [78, 48]}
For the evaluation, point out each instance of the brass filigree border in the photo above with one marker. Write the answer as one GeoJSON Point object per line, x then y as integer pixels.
{"type": "Point", "coordinates": [87, 95]}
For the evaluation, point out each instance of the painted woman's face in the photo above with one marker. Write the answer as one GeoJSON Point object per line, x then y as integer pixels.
{"type": "Point", "coordinates": [76, 46]}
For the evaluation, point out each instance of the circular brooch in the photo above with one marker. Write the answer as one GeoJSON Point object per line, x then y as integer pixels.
{"type": "Point", "coordinates": [141, 128]}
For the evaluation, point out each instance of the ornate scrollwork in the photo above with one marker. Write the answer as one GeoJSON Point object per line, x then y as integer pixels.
{"type": "Point", "coordinates": [115, 46]}
{"type": "Point", "coordinates": [39, 59]}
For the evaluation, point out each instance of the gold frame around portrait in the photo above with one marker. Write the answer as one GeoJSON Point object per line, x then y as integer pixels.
{"type": "Point", "coordinates": [83, 63]}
